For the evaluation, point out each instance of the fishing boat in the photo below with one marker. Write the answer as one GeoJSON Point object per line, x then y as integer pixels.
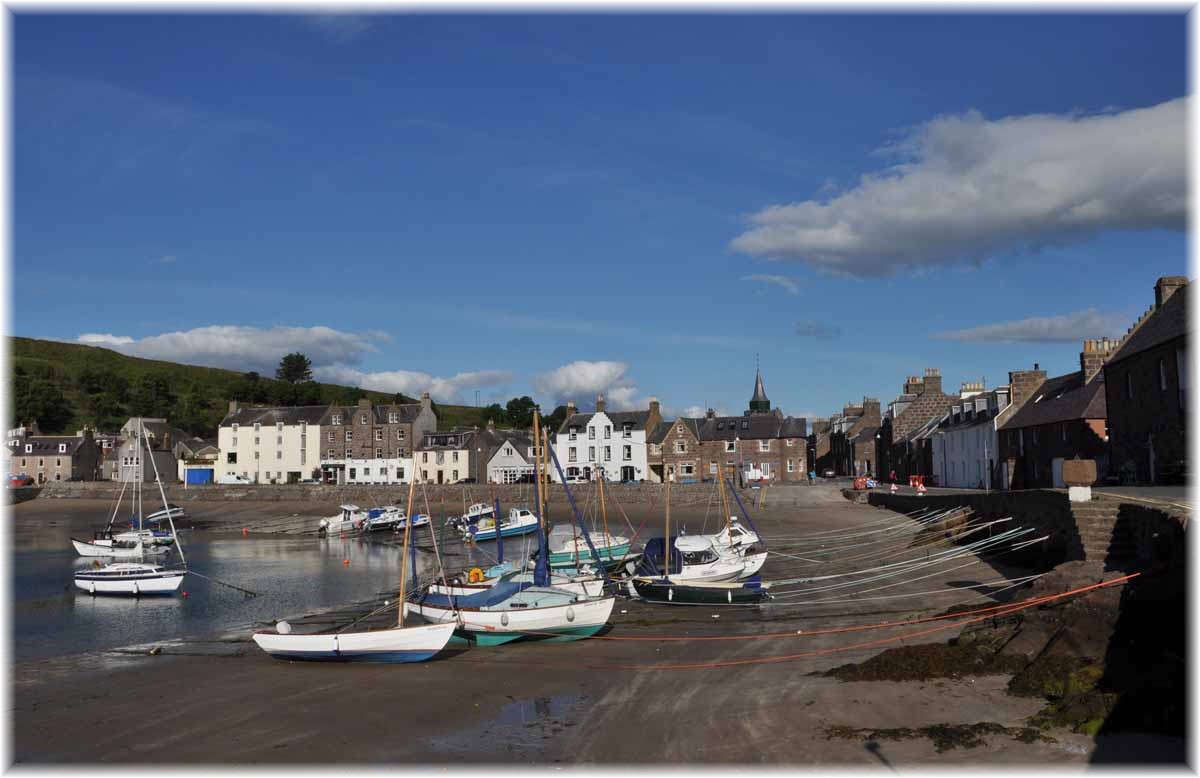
{"type": "Point", "coordinates": [136, 578]}
{"type": "Point", "coordinates": [478, 511]}
{"type": "Point", "coordinates": [520, 521]}
{"type": "Point", "coordinates": [665, 590]}
{"type": "Point", "coordinates": [734, 535]}
{"type": "Point", "coordinates": [568, 547]}
{"type": "Point", "coordinates": [349, 521]}
{"type": "Point", "coordinates": [396, 644]}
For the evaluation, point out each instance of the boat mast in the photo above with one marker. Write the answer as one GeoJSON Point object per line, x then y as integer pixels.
{"type": "Point", "coordinates": [724, 503]}
{"type": "Point", "coordinates": [412, 486]}
{"type": "Point", "coordinates": [163, 494]}
{"type": "Point", "coordinates": [667, 533]}
{"type": "Point", "coordinates": [603, 514]}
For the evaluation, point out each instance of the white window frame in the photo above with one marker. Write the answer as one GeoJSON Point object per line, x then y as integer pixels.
{"type": "Point", "coordinates": [627, 453]}
{"type": "Point", "coordinates": [764, 446]}
{"type": "Point", "coordinates": [591, 432]}
{"type": "Point", "coordinates": [730, 447]}
{"type": "Point", "coordinates": [591, 453]}
{"type": "Point", "coordinates": [571, 455]}
{"type": "Point", "coordinates": [681, 447]}
{"type": "Point", "coordinates": [336, 419]}
{"type": "Point", "coordinates": [607, 431]}
{"type": "Point", "coordinates": [378, 434]}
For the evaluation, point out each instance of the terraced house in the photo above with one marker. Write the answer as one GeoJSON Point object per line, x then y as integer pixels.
{"type": "Point", "coordinates": [608, 444]}
{"type": "Point", "coordinates": [270, 445]}
{"type": "Point", "coordinates": [47, 458]}
{"type": "Point", "coordinates": [368, 443]}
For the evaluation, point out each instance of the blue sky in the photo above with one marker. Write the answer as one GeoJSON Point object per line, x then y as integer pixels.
{"type": "Point", "coordinates": [635, 204]}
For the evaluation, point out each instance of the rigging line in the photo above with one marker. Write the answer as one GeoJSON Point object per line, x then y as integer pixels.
{"type": "Point", "coordinates": [980, 614]}
{"type": "Point", "coordinates": [891, 522]}
{"type": "Point", "coordinates": [893, 574]}
{"type": "Point", "coordinates": [896, 528]}
{"type": "Point", "coordinates": [891, 541]}
{"type": "Point", "coordinates": [871, 643]}
{"type": "Point", "coordinates": [956, 551]}
{"type": "Point", "coordinates": [852, 584]}
{"type": "Point", "coordinates": [927, 593]}
{"type": "Point", "coordinates": [962, 532]}
{"type": "Point", "coordinates": [1030, 542]}
{"type": "Point", "coordinates": [891, 585]}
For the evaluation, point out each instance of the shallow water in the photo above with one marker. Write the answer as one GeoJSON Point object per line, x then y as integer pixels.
{"type": "Point", "coordinates": [291, 576]}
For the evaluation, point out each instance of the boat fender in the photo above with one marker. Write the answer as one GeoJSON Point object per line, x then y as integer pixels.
{"type": "Point", "coordinates": [570, 614]}
{"type": "Point", "coordinates": [93, 587]}
{"type": "Point", "coordinates": [135, 588]}
{"type": "Point", "coordinates": [670, 593]}
{"type": "Point", "coordinates": [476, 575]}
{"type": "Point", "coordinates": [729, 595]}
{"type": "Point", "coordinates": [504, 619]}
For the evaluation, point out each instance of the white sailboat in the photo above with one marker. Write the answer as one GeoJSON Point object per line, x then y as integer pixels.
{"type": "Point", "coordinates": [397, 644]}
{"type": "Point", "coordinates": [136, 578]}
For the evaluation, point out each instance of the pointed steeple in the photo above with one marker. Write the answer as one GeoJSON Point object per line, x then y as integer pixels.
{"type": "Point", "coordinates": [759, 402]}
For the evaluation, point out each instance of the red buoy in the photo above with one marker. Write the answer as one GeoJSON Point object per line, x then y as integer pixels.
{"type": "Point", "coordinates": [245, 532]}
{"type": "Point", "coordinates": [184, 594]}
{"type": "Point", "coordinates": [346, 562]}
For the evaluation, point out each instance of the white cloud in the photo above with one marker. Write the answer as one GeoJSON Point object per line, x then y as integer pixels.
{"type": "Point", "coordinates": [781, 281]}
{"type": "Point", "coordinates": [241, 348]}
{"type": "Point", "coordinates": [1067, 328]}
{"type": "Point", "coordinates": [967, 188]}
{"type": "Point", "coordinates": [581, 381]}
{"type": "Point", "coordinates": [412, 383]}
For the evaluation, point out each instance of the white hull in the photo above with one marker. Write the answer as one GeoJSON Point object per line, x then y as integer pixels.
{"type": "Point", "coordinates": [752, 563]}
{"type": "Point", "coordinates": [576, 615]}
{"type": "Point", "coordinates": [407, 644]}
{"type": "Point", "coordinates": [106, 549]}
{"type": "Point", "coordinates": [582, 585]}
{"type": "Point", "coordinates": [132, 586]}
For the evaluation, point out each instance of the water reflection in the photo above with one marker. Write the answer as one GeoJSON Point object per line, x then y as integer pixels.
{"type": "Point", "coordinates": [291, 576]}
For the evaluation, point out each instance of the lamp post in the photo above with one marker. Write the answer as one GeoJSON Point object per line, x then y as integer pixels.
{"type": "Point", "coordinates": [478, 465]}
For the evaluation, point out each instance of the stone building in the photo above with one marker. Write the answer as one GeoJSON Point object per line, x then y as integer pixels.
{"type": "Point", "coordinates": [383, 434]}
{"type": "Point", "coordinates": [846, 427]}
{"type": "Point", "coordinates": [270, 445]}
{"type": "Point", "coordinates": [682, 457]}
{"type": "Point", "coordinates": [1055, 419]}
{"type": "Point", "coordinates": [162, 438]}
{"type": "Point", "coordinates": [1146, 382]}
{"type": "Point", "coordinates": [47, 458]}
{"type": "Point", "coordinates": [452, 456]}
{"type": "Point", "coordinates": [862, 450]}
{"type": "Point", "coordinates": [819, 455]}
{"type": "Point", "coordinates": [901, 449]}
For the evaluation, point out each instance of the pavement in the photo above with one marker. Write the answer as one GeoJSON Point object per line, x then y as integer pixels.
{"type": "Point", "coordinates": [621, 700]}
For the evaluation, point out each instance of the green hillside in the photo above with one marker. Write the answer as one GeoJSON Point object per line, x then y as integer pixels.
{"type": "Point", "coordinates": [67, 385]}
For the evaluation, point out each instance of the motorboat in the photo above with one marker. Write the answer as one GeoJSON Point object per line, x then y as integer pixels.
{"type": "Point", "coordinates": [382, 519]}
{"type": "Point", "coordinates": [160, 515]}
{"type": "Point", "coordinates": [520, 521]}
{"type": "Point", "coordinates": [349, 521]}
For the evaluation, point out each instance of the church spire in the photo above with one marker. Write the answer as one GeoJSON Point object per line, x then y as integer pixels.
{"type": "Point", "coordinates": [759, 402]}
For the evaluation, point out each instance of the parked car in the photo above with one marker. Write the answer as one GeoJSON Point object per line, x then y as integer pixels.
{"type": "Point", "coordinates": [576, 479]}
{"type": "Point", "coordinates": [828, 474]}
{"type": "Point", "coordinates": [465, 481]}
{"type": "Point", "coordinates": [17, 481]}
{"type": "Point", "coordinates": [232, 479]}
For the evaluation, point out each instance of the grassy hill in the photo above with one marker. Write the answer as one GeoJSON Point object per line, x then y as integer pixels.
{"type": "Point", "coordinates": [66, 385]}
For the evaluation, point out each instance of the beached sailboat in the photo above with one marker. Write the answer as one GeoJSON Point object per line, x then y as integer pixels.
{"type": "Point", "coordinates": [136, 578]}
{"type": "Point", "coordinates": [700, 593]}
{"type": "Point", "coordinates": [397, 644]}
{"type": "Point", "coordinates": [515, 607]}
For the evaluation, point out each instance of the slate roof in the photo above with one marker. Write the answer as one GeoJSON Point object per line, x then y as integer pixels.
{"type": "Point", "coordinates": [752, 427]}
{"type": "Point", "coordinates": [269, 417]}
{"type": "Point", "coordinates": [760, 394]}
{"type": "Point", "coordinates": [1164, 324]}
{"type": "Point", "coordinates": [657, 434]}
{"type": "Point", "coordinates": [465, 440]}
{"type": "Point", "coordinates": [48, 444]}
{"type": "Point", "coordinates": [1062, 398]}
{"type": "Point", "coordinates": [580, 420]}
{"type": "Point", "coordinates": [865, 434]}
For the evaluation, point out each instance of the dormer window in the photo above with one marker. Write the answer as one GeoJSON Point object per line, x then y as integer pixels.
{"type": "Point", "coordinates": [364, 419]}
{"type": "Point", "coordinates": [574, 431]}
{"type": "Point", "coordinates": [257, 426]}
{"type": "Point", "coordinates": [393, 418]}
{"type": "Point", "coordinates": [234, 426]}
{"type": "Point", "coordinates": [627, 430]}
{"type": "Point", "coordinates": [279, 426]}
{"type": "Point", "coordinates": [28, 448]}
{"type": "Point", "coordinates": [336, 418]}
{"type": "Point", "coordinates": [62, 448]}
{"type": "Point", "coordinates": [745, 425]}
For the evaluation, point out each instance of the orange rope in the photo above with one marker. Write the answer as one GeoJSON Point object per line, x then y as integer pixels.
{"type": "Point", "coordinates": [997, 611]}
{"type": "Point", "coordinates": [831, 630]}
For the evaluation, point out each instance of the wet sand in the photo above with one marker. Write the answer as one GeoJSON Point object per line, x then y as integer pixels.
{"type": "Point", "coordinates": [225, 701]}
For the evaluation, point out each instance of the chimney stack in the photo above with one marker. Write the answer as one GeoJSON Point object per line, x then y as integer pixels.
{"type": "Point", "coordinates": [1095, 353]}
{"type": "Point", "coordinates": [1167, 286]}
{"type": "Point", "coordinates": [655, 415]}
{"type": "Point", "coordinates": [711, 414]}
{"type": "Point", "coordinates": [570, 407]}
{"type": "Point", "coordinates": [599, 403]}
{"type": "Point", "coordinates": [1024, 383]}
{"type": "Point", "coordinates": [233, 406]}
{"type": "Point", "coordinates": [933, 380]}
{"type": "Point", "coordinates": [425, 400]}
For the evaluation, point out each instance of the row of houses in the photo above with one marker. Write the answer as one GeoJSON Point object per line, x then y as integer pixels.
{"type": "Point", "coordinates": [369, 443]}
{"type": "Point", "coordinates": [1124, 408]}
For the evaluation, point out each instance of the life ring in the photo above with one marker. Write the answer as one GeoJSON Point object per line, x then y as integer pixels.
{"type": "Point", "coordinates": [475, 576]}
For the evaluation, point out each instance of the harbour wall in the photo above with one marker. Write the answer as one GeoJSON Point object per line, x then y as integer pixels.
{"type": "Point", "coordinates": [382, 494]}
